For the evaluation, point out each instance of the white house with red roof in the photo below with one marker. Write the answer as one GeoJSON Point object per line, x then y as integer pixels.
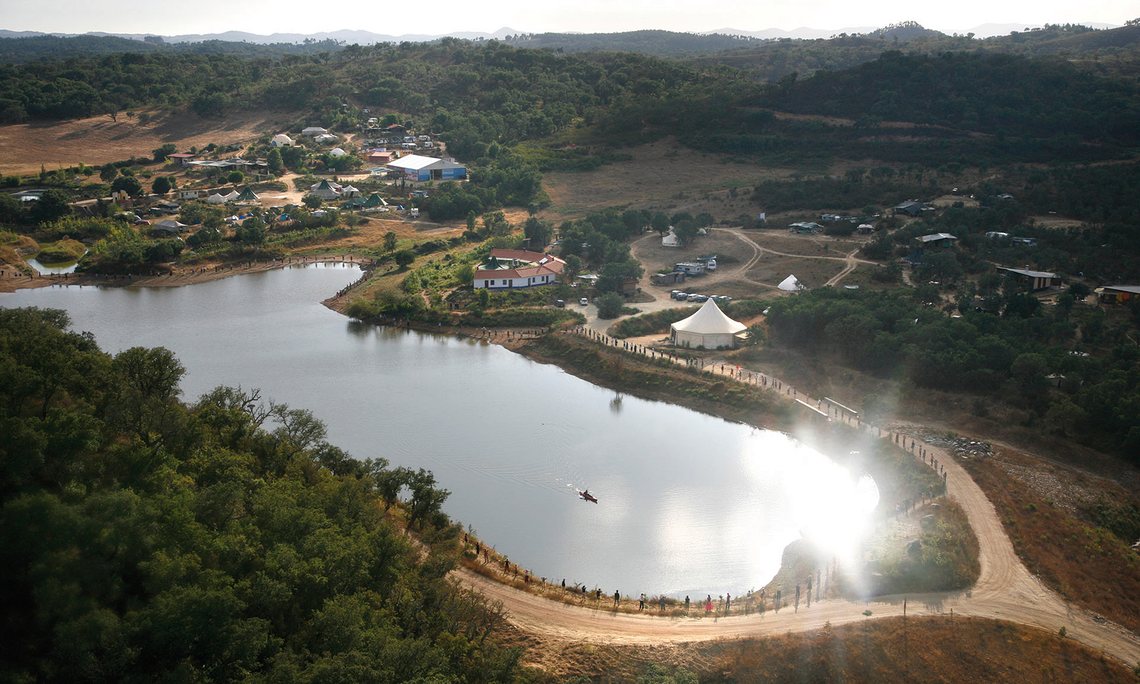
{"type": "Point", "coordinates": [507, 269]}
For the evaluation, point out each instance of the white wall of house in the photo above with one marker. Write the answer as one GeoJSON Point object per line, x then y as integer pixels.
{"type": "Point", "coordinates": [502, 283]}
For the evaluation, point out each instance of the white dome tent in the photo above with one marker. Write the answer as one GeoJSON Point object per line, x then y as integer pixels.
{"type": "Point", "coordinates": [708, 328]}
{"type": "Point", "coordinates": [791, 284]}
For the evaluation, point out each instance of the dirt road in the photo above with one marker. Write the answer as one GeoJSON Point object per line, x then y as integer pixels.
{"type": "Point", "coordinates": [1005, 590]}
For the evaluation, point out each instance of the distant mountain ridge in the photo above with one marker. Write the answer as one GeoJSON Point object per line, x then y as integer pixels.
{"type": "Point", "coordinates": [361, 37]}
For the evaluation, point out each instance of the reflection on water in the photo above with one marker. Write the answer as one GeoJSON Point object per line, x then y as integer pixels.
{"type": "Point", "coordinates": [688, 503]}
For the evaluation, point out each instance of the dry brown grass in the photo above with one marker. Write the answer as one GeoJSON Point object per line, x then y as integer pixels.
{"type": "Point", "coordinates": [661, 175]}
{"type": "Point", "coordinates": [98, 140]}
{"type": "Point", "coordinates": [933, 649]}
{"type": "Point", "coordinates": [1084, 564]}
{"type": "Point", "coordinates": [928, 649]}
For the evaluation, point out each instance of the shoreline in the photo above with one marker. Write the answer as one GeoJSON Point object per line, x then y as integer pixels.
{"type": "Point", "coordinates": [13, 281]}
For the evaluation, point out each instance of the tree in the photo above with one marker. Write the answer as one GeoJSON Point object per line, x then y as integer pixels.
{"type": "Point", "coordinates": [312, 201]}
{"type": "Point", "coordinates": [235, 176]}
{"type": "Point", "coordinates": [145, 396]}
{"type": "Point", "coordinates": [614, 275]}
{"type": "Point", "coordinates": [51, 206]}
{"type": "Point", "coordinates": [292, 157]}
{"type": "Point", "coordinates": [127, 184]}
{"type": "Point", "coordinates": [1029, 370]}
{"type": "Point", "coordinates": [390, 241]}
{"type": "Point", "coordinates": [275, 163]}
{"type": "Point", "coordinates": [161, 153]}
{"type": "Point", "coordinates": [686, 230]}
{"type": "Point", "coordinates": [426, 498]}
{"type": "Point", "coordinates": [107, 172]}
{"type": "Point", "coordinates": [404, 258]}
{"type": "Point", "coordinates": [660, 223]}
{"type": "Point", "coordinates": [252, 231]}
{"type": "Point", "coordinates": [161, 185]}
{"type": "Point", "coordinates": [538, 233]}
{"type": "Point", "coordinates": [609, 305]}
{"type": "Point", "coordinates": [210, 104]}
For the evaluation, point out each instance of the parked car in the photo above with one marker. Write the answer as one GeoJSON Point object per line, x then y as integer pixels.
{"type": "Point", "coordinates": [679, 295]}
{"type": "Point", "coordinates": [559, 302]}
{"type": "Point", "coordinates": [584, 301]}
{"type": "Point", "coordinates": [697, 297]}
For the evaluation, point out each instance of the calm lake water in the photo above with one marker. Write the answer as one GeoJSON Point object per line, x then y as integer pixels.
{"type": "Point", "coordinates": [689, 504]}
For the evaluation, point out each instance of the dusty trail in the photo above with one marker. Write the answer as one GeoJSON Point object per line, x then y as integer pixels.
{"type": "Point", "coordinates": [1005, 590]}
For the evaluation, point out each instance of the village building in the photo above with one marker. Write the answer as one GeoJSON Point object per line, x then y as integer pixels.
{"type": "Point", "coordinates": [1033, 280]}
{"type": "Point", "coordinates": [941, 240]}
{"type": "Point", "coordinates": [415, 167]}
{"type": "Point", "coordinates": [380, 157]}
{"type": "Point", "coordinates": [912, 208]}
{"type": "Point", "coordinates": [313, 131]}
{"type": "Point", "coordinates": [168, 227]}
{"type": "Point", "coordinates": [1117, 294]}
{"type": "Point", "coordinates": [667, 278]}
{"type": "Point", "coordinates": [182, 158]}
{"type": "Point", "coordinates": [708, 328]}
{"type": "Point", "coordinates": [805, 227]}
{"type": "Point", "coordinates": [507, 269]}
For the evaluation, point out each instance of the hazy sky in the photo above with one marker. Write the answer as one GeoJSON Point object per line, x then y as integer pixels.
{"type": "Point", "coordinates": [448, 16]}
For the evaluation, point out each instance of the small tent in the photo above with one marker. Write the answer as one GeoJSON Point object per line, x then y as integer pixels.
{"type": "Point", "coordinates": [281, 140]}
{"type": "Point", "coordinates": [313, 131]}
{"type": "Point", "coordinates": [791, 284]}
{"type": "Point", "coordinates": [708, 328]}
{"type": "Point", "coordinates": [247, 195]}
{"type": "Point", "coordinates": [670, 239]}
{"type": "Point", "coordinates": [232, 196]}
{"type": "Point", "coordinates": [374, 200]}
{"type": "Point", "coordinates": [349, 191]}
{"type": "Point", "coordinates": [337, 152]}
{"type": "Point", "coordinates": [216, 198]}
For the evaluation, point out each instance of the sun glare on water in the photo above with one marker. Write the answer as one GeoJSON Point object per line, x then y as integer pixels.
{"type": "Point", "coordinates": [831, 507]}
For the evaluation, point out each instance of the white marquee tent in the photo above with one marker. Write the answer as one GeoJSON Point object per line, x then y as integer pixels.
{"type": "Point", "coordinates": [708, 328]}
{"type": "Point", "coordinates": [791, 284]}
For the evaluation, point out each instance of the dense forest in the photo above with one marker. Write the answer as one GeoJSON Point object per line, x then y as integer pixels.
{"type": "Point", "coordinates": [146, 539]}
{"type": "Point", "coordinates": [1031, 357]}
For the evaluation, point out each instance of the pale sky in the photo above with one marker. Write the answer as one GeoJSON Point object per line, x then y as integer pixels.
{"type": "Point", "coordinates": [537, 16]}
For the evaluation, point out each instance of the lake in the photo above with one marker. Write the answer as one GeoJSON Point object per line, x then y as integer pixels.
{"type": "Point", "coordinates": [688, 503]}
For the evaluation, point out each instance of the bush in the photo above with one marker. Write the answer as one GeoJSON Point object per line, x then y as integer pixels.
{"type": "Point", "coordinates": [610, 305]}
